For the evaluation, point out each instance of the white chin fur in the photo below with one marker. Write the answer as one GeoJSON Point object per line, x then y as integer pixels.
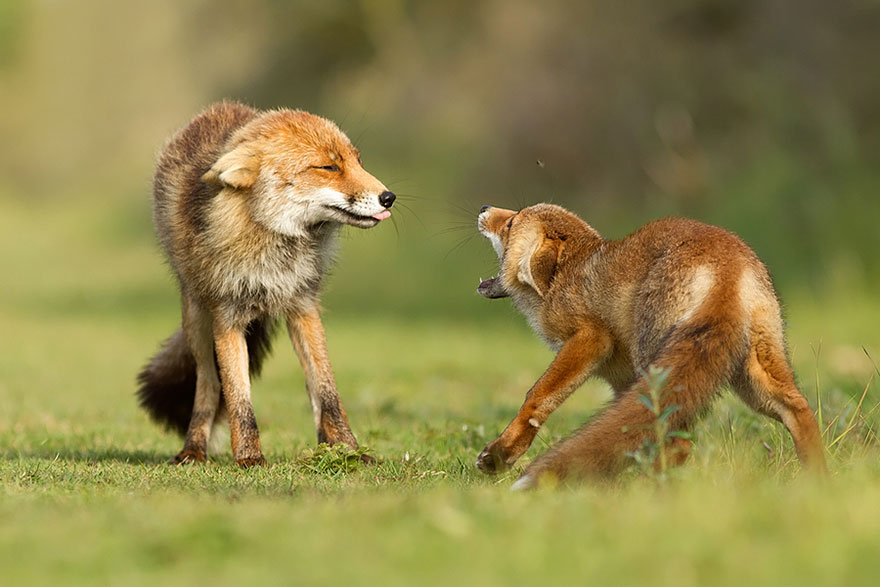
{"type": "Point", "coordinates": [292, 212]}
{"type": "Point", "coordinates": [493, 238]}
{"type": "Point", "coordinates": [496, 243]}
{"type": "Point", "coordinates": [363, 205]}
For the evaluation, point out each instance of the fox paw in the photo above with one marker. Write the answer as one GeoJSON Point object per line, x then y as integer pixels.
{"type": "Point", "coordinates": [248, 462]}
{"type": "Point", "coordinates": [491, 461]}
{"type": "Point", "coordinates": [188, 456]}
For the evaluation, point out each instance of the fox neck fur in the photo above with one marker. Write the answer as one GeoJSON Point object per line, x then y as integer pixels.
{"type": "Point", "coordinates": [256, 270]}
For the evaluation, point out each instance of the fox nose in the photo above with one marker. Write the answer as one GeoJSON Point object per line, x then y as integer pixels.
{"type": "Point", "coordinates": [387, 198]}
{"type": "Point", "coordinates": [484, 208]}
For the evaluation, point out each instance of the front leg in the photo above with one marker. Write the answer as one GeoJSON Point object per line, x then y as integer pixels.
{"type": "Point", "coordinates": [307, 335]}
{"type": "Point", "coordinates": [232, 358]}
{"type": "Point", "coordinates": [574, 362]}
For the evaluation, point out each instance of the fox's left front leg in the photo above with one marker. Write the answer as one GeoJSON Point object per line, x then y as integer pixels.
{"type": "Point", "coordinates": [574, 362]}
{"type": "Point", "coordinates": [307, 335]}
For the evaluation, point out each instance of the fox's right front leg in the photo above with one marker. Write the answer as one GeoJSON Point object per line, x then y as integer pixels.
{"type": "Point", "coordinates": [570, 368]}
{"type": "Point", "coordinates": [232, 359]}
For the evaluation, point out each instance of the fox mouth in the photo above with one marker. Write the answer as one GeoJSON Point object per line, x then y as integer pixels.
{"type": "Point", "coordinates": [348, 217]}
{"type": "Point", "coordinates": [491, 288]}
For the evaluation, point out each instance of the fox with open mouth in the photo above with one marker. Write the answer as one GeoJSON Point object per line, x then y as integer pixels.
{"type": "Point", "coordinates": [247, 205]}
{"type": "Point", "coordinates": [683, 296]}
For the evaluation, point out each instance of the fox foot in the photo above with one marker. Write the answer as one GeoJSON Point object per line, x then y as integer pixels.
{"type": "Point", "coordinates": [188, 456]}
{"type": "Point", "coordinates": [248, 462]}
{"type": "Point", "coordinates": [493, 460]}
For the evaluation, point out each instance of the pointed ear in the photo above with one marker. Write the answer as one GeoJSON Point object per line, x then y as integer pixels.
{"type": "Point", "coordinates": [238, 168]}
{"type": "Point", "coordinates": [537, 265]}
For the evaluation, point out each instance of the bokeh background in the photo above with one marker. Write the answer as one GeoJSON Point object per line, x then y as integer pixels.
{"type": "Point", "coordinates": [761, 116]}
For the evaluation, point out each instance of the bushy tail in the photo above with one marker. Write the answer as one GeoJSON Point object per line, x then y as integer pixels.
{"type": "Point", "coordinates": [167, 384]}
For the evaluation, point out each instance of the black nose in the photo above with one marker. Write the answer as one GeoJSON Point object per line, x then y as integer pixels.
{"type": "Point", "coordinates": [387, 198]}
{"type": "Point", "coordinates": [484, 208]}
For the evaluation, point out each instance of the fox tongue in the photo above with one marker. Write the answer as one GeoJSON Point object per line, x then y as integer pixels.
{"type": "Point", "coordinates": [382, 215]}
{"type": "Point", "coordinates": [486, 283]}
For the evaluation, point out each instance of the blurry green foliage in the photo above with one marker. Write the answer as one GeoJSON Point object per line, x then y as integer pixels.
{"type": "Point", "coordinates": [760, 116]}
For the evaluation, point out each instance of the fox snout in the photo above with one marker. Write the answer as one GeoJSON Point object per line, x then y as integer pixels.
{"type": "Point", "coordinates": [490, 223]}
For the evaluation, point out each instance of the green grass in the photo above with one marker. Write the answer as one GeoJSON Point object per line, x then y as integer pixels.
{"type": "Point", "coordinates": [429, 373]}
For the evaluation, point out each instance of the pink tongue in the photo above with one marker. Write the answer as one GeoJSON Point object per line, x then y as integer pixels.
{"type": "Point", "coordinates": [382, 215]}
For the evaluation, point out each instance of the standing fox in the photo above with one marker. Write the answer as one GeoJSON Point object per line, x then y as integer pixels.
{"type": "Point", "coordinates": [677, 294]}
{"type": "Point", "coordinates": [247, 206]}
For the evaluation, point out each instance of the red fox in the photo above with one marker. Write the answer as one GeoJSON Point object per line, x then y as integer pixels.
{"type": "Point", "coordinates": [247, 206]}
{"type": "Point", "coordinates": [677, 294]}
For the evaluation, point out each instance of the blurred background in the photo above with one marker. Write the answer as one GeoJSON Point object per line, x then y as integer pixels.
{"type": "Point", "coordinates": [761, 116]}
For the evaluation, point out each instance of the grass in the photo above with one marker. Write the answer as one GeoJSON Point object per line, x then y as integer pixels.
{"type": "Point", "coordinates": [86, 496]}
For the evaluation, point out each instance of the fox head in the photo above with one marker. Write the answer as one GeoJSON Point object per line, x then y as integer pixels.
{"type": "Point", "coordinates": [298, 170]}
{"type": "Point", "coordinates": [530, 244]}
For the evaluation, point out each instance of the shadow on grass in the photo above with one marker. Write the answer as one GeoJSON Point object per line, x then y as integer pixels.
{"type": "Point", "coordinates": [109, 455]}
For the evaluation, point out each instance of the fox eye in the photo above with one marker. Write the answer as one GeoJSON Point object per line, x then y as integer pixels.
{"type": "Point", "coordinates": [510, 223]}
{"type": "Point", "coordinates": [327, 167]}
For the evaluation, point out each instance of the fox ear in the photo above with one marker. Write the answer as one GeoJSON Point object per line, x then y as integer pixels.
{"type": "Point", "coordinates": [238, 168]}
{"type": "Point", "coordinates": [537, 265]}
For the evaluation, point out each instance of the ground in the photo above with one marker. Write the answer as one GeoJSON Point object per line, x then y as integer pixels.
{"type": "Point", "coordinates": [86, 496]}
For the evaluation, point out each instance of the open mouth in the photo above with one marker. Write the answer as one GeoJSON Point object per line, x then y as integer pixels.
{"type": "Point", "coordinates": [348, 217]}
{"type": "Point", "coordinates": [491, 288]}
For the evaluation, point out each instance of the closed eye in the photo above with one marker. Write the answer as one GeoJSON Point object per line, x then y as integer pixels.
{"type": "Point", "coordinates": [327, 167]}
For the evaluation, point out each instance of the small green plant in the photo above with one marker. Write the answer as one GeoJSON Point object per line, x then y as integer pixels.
{"type": "Point", "coordinates": [332, 461]}
{"type": "Point", "coordinates": [652, 457]}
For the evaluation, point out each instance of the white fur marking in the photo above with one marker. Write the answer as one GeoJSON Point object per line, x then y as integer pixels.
{"type": "Point", "coordinates": [701, 282]}
{"type": "Point", "coordinates": [523, 483]}
{"type": "Point", "coordinates": [493, 238]}
{"type": "Point", "coordinates": [496, 242]}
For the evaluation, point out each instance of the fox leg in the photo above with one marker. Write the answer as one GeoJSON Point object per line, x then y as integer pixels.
{"type": "Point", "coordinates": [307, 335]}
{"type": "Point", "coordinates": [197, 328]}
{"type": "Point", "coordinates": [232, 359]}
{"type": "Point", "coordinates": [698, 358]}
{"type": "Point", "coordinates": [572, 365]}
{"type": "Point", "coordinates": [766, 384]}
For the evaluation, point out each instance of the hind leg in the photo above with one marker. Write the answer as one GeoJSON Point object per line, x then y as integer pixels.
{"type": "Point", "coordinates": [199, 335]}
{"type": "Point", "coordinates": [767, 385]}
